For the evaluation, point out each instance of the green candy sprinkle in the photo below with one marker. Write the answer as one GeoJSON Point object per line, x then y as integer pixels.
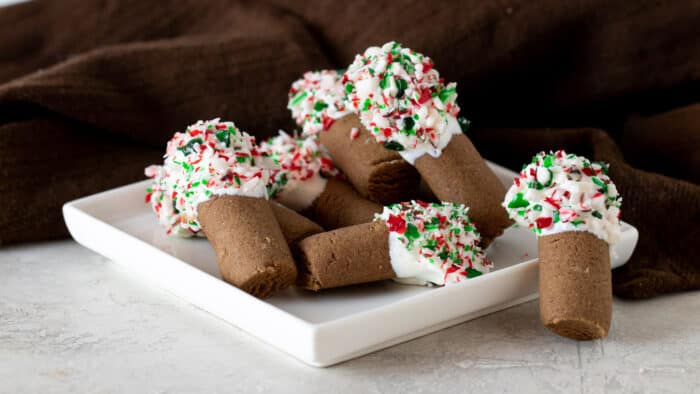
{"type": "Point", "coordinates": [320, 106]}
{"type": "Point", "coordinates": [603, 167]}
{"type": "Point", "coordinates": [600, 184]}
{"type": "Point", "coordinates": [298, 98]}
{"type": "Point", "coordinates": [224, 136]}
{"type": "Point", "coordinates": [446, 93]}
{"type": "Point", "coordinates": [412, 231]}
{"type": "Point", "coordinates": [471, 273]}
{"type": "Point", "coordinates": [189, 147]}
{"type": "Point", "coordinates": [547, 162]}
{"type": "Point", "coordinates": [518, 202]}
{"type": "Point", "coordinates": [393, 145]}
{"type": "Point", "coordinates": [401, 86]}
{"type": "Point", "coordinates": [385, 81]}
{"type": "Point", "coordinates": [408, 123]}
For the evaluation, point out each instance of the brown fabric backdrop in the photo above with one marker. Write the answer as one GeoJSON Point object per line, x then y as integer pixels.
{"type": "Point", "coordinates": [91, 91]}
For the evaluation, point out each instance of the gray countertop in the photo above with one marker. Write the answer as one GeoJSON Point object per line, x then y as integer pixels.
{"type": "Point", "coordinates": [72, 321]}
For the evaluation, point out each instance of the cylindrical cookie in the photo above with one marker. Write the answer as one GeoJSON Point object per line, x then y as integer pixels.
{"type": "Point", "coordinates": [339, 205]}
{"type": "Point", "coordinates": [461, 175]}
{"type": "Point", "coordinates": [317, 104]}
{"type": "Point", "coordinates": [250, 248]}
{"type": "Point", "coordinates": [376, 173]}
{"type": "Point", "coordinates": [212, 183]}
{"type": "Point", "coordinates": [412, 242]}
{"type": "Point", "coordinates": [294, 226]}
{"type": "Point", "coordinates": [345, 256]}
{"type": "Point", "coordinates": [575, 284]}
{"type": "Point", "coordinates": [574, 208]}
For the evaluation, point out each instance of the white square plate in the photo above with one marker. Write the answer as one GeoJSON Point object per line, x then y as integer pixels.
{"type": "Point", "coordinates": [320, 329]}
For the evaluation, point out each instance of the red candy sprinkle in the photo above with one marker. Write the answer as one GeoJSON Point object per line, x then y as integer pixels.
{"type": "Point", "coordinates": [551, 202]}
{"type": "Point", "coordinates": [425, 95]}
{"type": "Point", "coordinates": [327, 122]}
{"type": "Point", "coordinates": [396, 224]}
{"type": "Point", "coordinates": [544, 222]}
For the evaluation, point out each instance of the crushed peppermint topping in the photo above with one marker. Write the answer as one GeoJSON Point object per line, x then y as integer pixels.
{"type": "Point", "coordinates": [209, 158]}
{"type": "Point", "coordinates": [317, 100]}
{"type": "Point", "coordinates": [401, 99]}
{"type": "Point", "coordinates": [560, 192]}
{"type": "Point", "coordinates": [440, 237]}
{"type": "Point", "coordinates": [294, 161]}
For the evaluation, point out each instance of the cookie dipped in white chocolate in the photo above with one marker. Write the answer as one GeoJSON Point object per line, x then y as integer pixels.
{"type": "Point", "coordinates": [433, 243]}
{"type": "Point", "coordinates": [210, 158]}
{"type": "Point", "coordinates": [560, 192]}
{"type": "Point", "coordinates": [574, 208]}
{"type": "Point", "coordinates": [402, 101]}
{"type": "Point", "coordinates": [299, 169]}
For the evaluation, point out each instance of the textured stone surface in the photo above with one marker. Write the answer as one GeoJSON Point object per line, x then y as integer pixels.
{"type": "Point", "coordinates": [71, 321]}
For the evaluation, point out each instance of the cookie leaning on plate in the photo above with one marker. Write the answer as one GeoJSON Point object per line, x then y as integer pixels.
{"type": "Point", "coordinates": [574, 208]}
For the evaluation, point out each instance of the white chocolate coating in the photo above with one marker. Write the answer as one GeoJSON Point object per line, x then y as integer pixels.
{"type": "Point", "coordinates": [561, 192]}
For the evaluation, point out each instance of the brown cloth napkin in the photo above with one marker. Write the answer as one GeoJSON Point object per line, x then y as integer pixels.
{"type": "Point", "coordinates": [91, 91]}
